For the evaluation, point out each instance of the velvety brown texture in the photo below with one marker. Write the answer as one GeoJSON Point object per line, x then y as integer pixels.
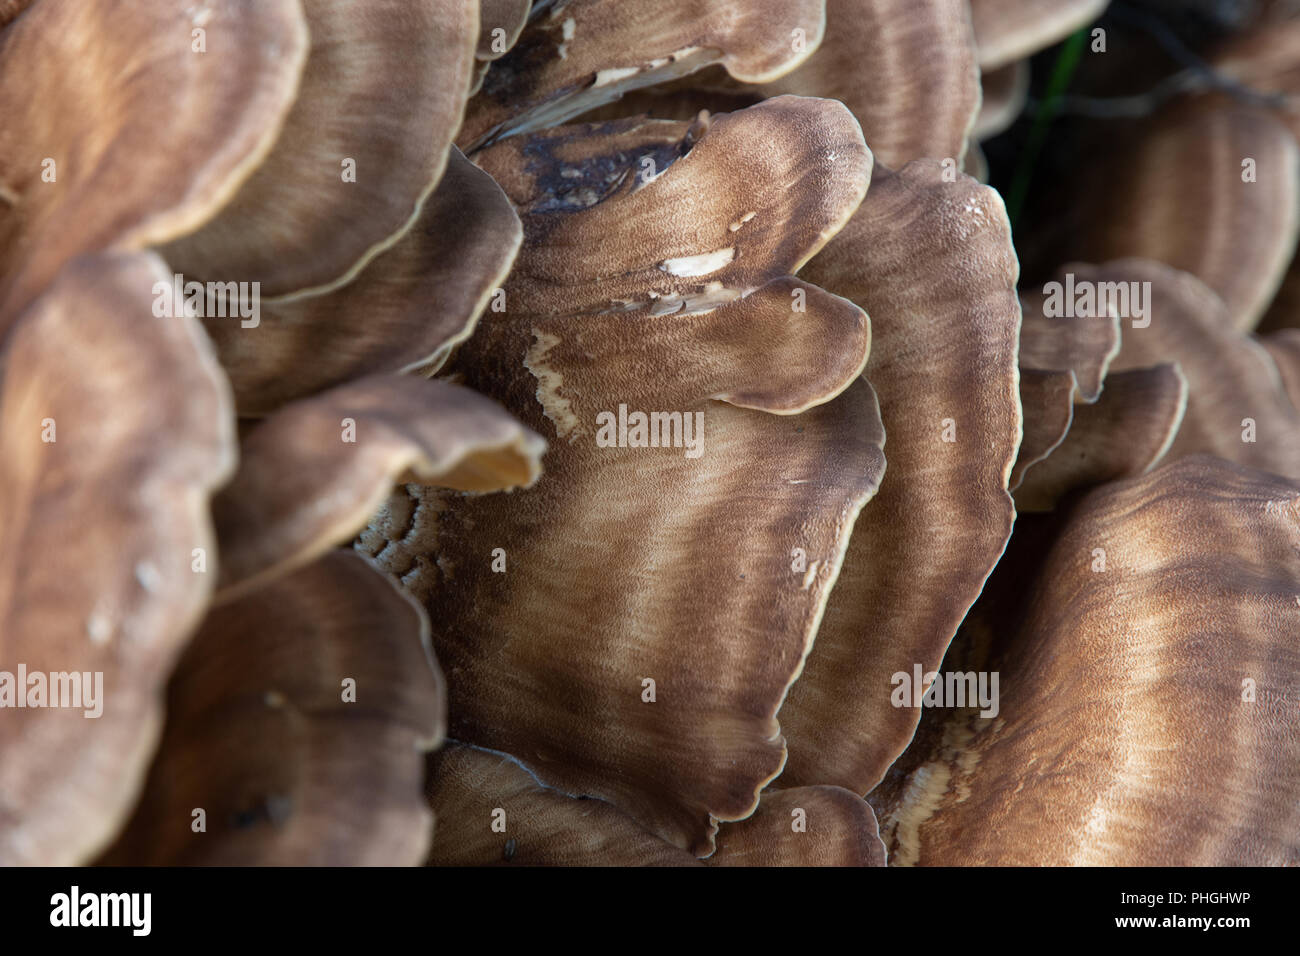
{"type": "Point", "coordinates": [313, 473]}
{"type": "Point", "coordinates": [384, 84]}
{"type": "Point", "coordinates": [117, 426]}
{"type": "Point", "coordinates": [1122, 736]}
{"type": "Point", "coordinates": [260, 737]}
{"type": "Point", "coordinates": [575, 56]}
{"type": "Point", "coordinates": [932, 263]}
{"type": "Point", "coordinates": [64, 69]}
{"type": "Point", "coordinates": [405, 311]}
{"type": "Point", "coordinates": [624, 545]}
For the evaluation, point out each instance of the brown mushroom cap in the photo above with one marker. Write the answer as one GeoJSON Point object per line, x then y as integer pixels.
{"type": "Point", "coordinates": [933, 263]}
{"type": "Point", "coordinates": [1266, 60]}
{"type": "Point", "coordinates": [1124, 734]}
{"type": "Point", "coordinates": [575, 56]}
{"type": "Point", "coordinates": [217, 113]}
{"type": "Point", "coordinates": [313, 473]}
{"type": "Point", "coordinates": [1073, 428]}
{"type": "Point", "coordinates": [117, 426]}
{"type": "Point", "coordinates": [491, 811]}
{"type": "Point", "coordinates": [1004, 94]}
{"type": "Point", "coordinates": [405, 311]}
{"type": "Point", "coordinates": [1179, 197]}
{"type": "Point", "coordinates": [617, 570]}
{"type": "Point", "coordinates": [759, 193]}
{"type": "Point", "coordinates": [805, 826]}
{"type": "Point", "coordinates": [259, 734]}
{"type": "Point", "coordinates": [384, 85]}
{"type": "Point", "coordinates": [1231, 377]}
{"type": "Point", "coordinates": [1047, 400]}
{"type": "Point", "coordinates": [1009, 30]}
{"type": "Point", "coordinates": [1284, 348]}
{"type": "Point", "coordinates": [906, 68]}
{"type": "Point", "coordinates": [1082, 345]}
{"type": "Point", "coordinates": [1125, 433]}
{"type": "Point", "coordinates": [499, 24]}
{"type": "Point", "coordinates": [471, 789]}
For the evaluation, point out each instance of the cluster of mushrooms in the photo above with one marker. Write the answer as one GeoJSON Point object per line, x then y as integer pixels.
{"type": "Point", "coordinates": [365, 585]}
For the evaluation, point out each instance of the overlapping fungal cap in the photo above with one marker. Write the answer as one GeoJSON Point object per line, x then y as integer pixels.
{"type": "Point", "coordinates": [313, 473]}
{"type": "Point", "coordinates": [499, 24]}
{"type": "Point", "coordinates": [1265, 59]}
{"type": "Point", "coordinates": [296, 723]}
{"type": "Point", "coordinates": [1009, 30]}
{"type": "Point", "coordinates": [366, 141]}
{"type": "Point", "coordinates": [1126, 432]}
{"type": "Point", "coordinates": [404, 312]}
{"type": "Point", "coordinates": [628, 628]}
{"type": "Point", "coordinates": [1047, 400]}
{"type": "Point", "coordinates": [1238, 234]}
{"type": "Point", "coordinates": [1146, 692]}
{"type": "Point", "coordinates": [907, 70]}
{"type": "Point", "coordinates": [804, 826]}
{"type": "Point", "coordinates": [217, 113]}
{"type": "Point", "coordinates": [116, 428]}
{"type": "Point", "coordinates": [1284, 348]}
{"type": "Point", "coordinates": [1055, 337]}
{"type": "Point", "coordinates": [575, 55]}
{"type": "Point", "coordinates": [1004, 94]}
{"type": "Point", "coordinates": [1237, 404]}
{"type": "Point", "coordinates": [1077, 434]}
{"type": "Point", "coordinates": [932, 262]}
{"type": "Point", "coordinates": [489, 810]}
{"type": "Point", "coordinates": [1063, 362]}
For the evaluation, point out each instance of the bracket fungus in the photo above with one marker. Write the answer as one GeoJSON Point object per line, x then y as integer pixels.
{"type": "Point", "coordinates": [97, 603]}
{"type": "Point", "coordinates": [1005, 92]}
{"type": "Point", "coordinates": [312, 474]}
{"type": "Point", "coordinates": [1113, 671]}
{"type": "Point", "coordinates": [406, 311]}
{"type": "Point", "coordinates": [580, 498]}
{"type": "Point", "coordinates": [932, 261]}
{"type": "Point", "coordinates": [1237, 404]}
{"type": "Point", "coordinates": [657, 321]}
{"type": "Point", "coordinates": [59, 163]}
{"type": "Point", "coordinates": [1240, 237]}
{"type": "Point", "coordinates": [1009, 30]}
{"type": "Point", "coordinates": [500, 22]}
{"type": "Point", "coordinates": [579, 54]}
{"type": "Point", "coordinates": [1074, 407]}
{"type": "Point", "coordinates": [365, 142]}
{"type": "Point", "coordinates": [492, 811]}
{"type": "Point", "coordinates": [316, 759]}
{"type": "Point", "coordinates": [906, 68]}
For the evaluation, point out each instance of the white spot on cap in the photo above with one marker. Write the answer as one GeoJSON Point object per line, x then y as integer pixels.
{"type": "Point", "coordinates": [700, 265]}
{"type": "Point", "coordinates": [148, 576]}
{"type": "Point", "coordinates": [99, 628]}
{"type": "Point", "coordinates": [742, 220]}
